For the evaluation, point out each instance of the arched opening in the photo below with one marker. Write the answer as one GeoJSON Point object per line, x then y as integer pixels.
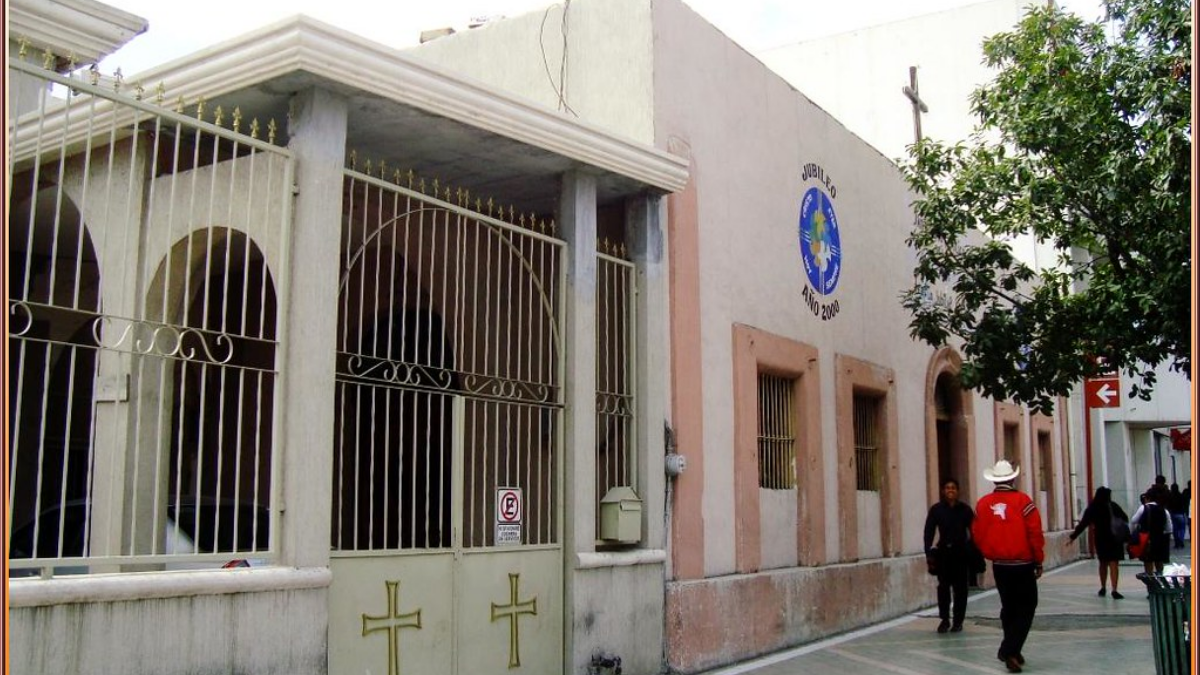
{"type": "Point", "coordinates": [949, 420]}
{"type": "Point", "coordinates": [951, 440]}
{"type": "Point", "coordinates": [220, 344]}
{"type": "Point", "coordinates": [54, 305]}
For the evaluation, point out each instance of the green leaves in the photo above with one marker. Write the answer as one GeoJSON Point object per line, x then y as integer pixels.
{"type": "Point", "coordinates": [1083, 145]}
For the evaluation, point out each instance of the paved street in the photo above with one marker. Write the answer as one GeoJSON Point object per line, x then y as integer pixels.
{"type": "Point", "coordinates": [1075, 633]}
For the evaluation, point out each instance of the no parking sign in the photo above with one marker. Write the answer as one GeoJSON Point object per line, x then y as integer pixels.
{"type": "Point", "coordinates": [509, 512]}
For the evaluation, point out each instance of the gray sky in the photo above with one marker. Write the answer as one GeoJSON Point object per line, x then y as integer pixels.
{"type": "Point", "coordinates": [179, 28]}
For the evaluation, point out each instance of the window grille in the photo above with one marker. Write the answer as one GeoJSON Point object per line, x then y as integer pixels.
{"type": "Point", "coordinates": [1044, 462]}
{"type": "Point", "coordinates": [867, 435]}
{"type": "Point", "coordinates": [1012, 447]}
{"type": "Point", "coordinates": [776, 433]}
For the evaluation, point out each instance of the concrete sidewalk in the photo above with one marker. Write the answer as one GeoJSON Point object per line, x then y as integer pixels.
{"type": "Point", "coordinates": [1075, 632]}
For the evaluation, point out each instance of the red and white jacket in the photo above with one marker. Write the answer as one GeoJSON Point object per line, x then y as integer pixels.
{"type": "Point", "coordinates": [1008, 528]}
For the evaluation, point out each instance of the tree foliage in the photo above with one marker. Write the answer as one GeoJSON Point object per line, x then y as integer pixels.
{"type": "Point", "coordinates": [1083, 143]}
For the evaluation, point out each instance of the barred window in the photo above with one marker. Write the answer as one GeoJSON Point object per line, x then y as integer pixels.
{"type": "Point", "coordinates": [1012, 444]}
{"type": "Point", "coordinates": [867, 442]}
{"type": "Point", "coordinates": [776, 433]}
{"type": "Point", "coordinates": [1044, 462]}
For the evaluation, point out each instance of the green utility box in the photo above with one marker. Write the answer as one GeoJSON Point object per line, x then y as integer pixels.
{"type": "Point", "coordinates": [621, 516]}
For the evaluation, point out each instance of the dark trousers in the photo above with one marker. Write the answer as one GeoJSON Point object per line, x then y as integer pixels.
{"type": "Point", "coordinates": [1017, 587]}
{"type": "Point", "coordinates": [953, 577]}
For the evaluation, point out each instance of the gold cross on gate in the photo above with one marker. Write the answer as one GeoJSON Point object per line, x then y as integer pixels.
{"type": "Point", "coordinates": [512, 612]}
{"type": "Point", "coordinates": [392, 623]}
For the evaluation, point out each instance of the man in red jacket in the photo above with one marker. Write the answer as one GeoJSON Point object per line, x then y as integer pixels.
{"type": "Point", "coordinates": [1008, 531]}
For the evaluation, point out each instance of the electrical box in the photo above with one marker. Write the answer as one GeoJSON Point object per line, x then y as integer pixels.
{"type": "Point", "coordinates": [621, 516]}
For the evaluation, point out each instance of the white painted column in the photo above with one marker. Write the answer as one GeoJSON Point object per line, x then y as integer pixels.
{"type": "Point", "coordinates": [644, 218]}
{"type": "Point", "coordinates": [318, 138]}
{"type": "Point", "coordinates": [578, 220]}
{"type": "Point", "coordinates": [577, 217]}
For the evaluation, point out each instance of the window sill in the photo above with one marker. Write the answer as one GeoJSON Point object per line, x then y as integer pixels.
{"type": "Point", "coordinates": [641, 556]}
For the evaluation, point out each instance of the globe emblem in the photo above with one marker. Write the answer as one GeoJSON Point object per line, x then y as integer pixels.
{"type": "Point", "coordinates": [820, 241]}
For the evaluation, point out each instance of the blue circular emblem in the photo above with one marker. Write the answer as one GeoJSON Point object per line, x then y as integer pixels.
{"type": "Point", "coordinates": [820, 242]}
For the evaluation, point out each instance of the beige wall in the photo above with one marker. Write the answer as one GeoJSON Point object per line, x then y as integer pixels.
{"type": "Point", "coordinates": [524, 55]}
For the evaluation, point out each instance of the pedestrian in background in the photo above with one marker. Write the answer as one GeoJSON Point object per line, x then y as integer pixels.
{"type": "Point", "coordinates": [950, 519]}
{"type": "Point", "coordinates": [1110, 531]}
{"type": "Point", "coordinates": [1008, 530]}
{"type": "Point", "coordinates": [1153, 518]}
{"type": "Point", "coordinates": [1177, 505]}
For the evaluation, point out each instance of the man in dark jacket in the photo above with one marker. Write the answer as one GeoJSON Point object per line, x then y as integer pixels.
{"type": "Point", "coordinates": [1008, 530]}
{"type": "Point", "coordinates": [950, 519]}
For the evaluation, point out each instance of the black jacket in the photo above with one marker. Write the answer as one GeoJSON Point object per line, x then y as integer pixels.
{"type": "Point", "coordinates": [952, 523]}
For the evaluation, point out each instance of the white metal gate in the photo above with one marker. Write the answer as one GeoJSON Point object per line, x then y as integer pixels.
{"type": "Point", "coordinates": [147, 250]}
{"type": "Point", "coordinates": [447, 450]}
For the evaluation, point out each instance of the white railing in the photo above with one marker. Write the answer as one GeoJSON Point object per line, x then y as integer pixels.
{"type": "Point", "coordinates": [147, 257]}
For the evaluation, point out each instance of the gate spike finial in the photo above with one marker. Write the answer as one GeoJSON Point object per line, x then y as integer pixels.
{"type": "Point", "coordinates": [237, 119]}
{"type": "Point", "coordinates": [200, 108]}
{"type": "Point", "coordinates": [383, 169]}
{"type": "Point", "coordinates": [23, 47]}
{"type": "Point", "coordinates": [160, 93]}
{"type": "Point", "coordinates": [490, 205]}
{"type": "Point", "coordinates": [139, 91]}
{"type": "Point", "coordinates": [179, 105]}
{"type": "Point", "coordinates": [271, 129]}
{"type": "Point", "coordinates": [118, 80]}
{"type": "Point", "coordinates": [369, 168]}
{"type": "Point", "coordinates": [254, 128]}
{"type": "Point", "coordinates": [48, 59]}
{"type": "Point", "coordinates": [94, 75]}
{"type": "Point", "coordinates": [72, 62]}
{"type": "Point", "coordinates": [396, 176]}
{"type": "Point", "coordinates": [354, 160]}
{"type": "Point", "coordinates": [219, 116]}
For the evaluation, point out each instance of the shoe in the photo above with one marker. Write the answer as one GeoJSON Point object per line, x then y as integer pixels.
{"type": "Point", "coordinates": [1020, 659]}
{"type": "Point", "coordinates": [1013, 664]}
{"type": "Point", "coordinates": [1117, 596]}
{"type": "Point", "coordinates": [956, 628]}
{"type": "Point", "coordinates": [943, 626]}
{"type": "Point", "coordinates": [1102, 592]}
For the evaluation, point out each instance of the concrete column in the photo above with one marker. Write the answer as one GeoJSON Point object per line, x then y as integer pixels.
{"type": "Point", "coordinates": [317, 134]}
{"type": "Point", "coordinates": [578, 220]}
{"type": "Point", "coordinates": [647, 239]}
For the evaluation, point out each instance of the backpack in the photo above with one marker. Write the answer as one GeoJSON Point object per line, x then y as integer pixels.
{"type": "Point", "coordinates": [1119, 527]}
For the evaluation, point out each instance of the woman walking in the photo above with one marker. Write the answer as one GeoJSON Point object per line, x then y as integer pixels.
{"type": "Point", "coordinates": [951, 520]}
{"type": "Point", "coordinates": [1154, 519]}
{"type": "Point", "coordinates": [1111, 531]}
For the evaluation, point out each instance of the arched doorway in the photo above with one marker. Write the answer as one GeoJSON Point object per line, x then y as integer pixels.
{"type": "Point", "coordinates": [948, 424]}
{"type": "Point", "coordinates": [54, 306]}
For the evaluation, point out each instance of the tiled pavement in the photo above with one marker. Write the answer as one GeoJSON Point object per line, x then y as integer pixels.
{"type": "Point", "coordinates": [1075, 632]}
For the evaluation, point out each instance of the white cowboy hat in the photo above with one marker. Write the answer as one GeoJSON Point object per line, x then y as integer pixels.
{"type": "Point", "coordinates": [1002, 472]}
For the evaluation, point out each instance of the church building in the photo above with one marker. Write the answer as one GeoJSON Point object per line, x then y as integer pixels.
{"type": "Point", "coordinates": [567, 344]}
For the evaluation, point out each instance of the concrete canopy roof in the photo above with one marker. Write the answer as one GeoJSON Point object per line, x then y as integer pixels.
{"type": "Point", "coordinates": [416, 116]}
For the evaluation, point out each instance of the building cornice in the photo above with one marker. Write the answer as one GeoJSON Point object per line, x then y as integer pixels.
{"type": "Point", "coordinates": [304, 45]}
{"type": "Point", "coordinates": [83, 30]}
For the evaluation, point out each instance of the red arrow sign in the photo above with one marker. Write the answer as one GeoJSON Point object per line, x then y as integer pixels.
{"type": "Point", "coordinates": [1102, 392]}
